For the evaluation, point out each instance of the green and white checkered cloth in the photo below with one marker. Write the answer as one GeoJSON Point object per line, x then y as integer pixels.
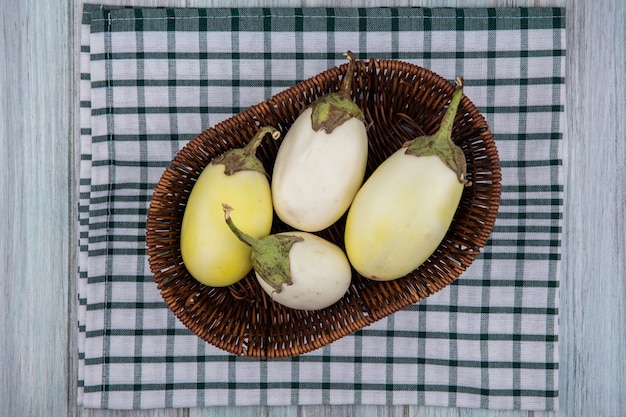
{"type": "Point", "coordinates": [152, 79]}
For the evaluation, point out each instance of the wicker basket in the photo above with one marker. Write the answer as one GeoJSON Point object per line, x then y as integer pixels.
{"type": "Point", "coordinates": [401, 101]}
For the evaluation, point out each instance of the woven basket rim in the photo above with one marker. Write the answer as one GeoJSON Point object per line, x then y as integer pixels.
{"type": "Point", "coordinates": [241, 319]}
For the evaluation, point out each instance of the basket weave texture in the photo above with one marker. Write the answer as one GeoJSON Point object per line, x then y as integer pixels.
{"type": "Point", "coordinates": [400, 101]}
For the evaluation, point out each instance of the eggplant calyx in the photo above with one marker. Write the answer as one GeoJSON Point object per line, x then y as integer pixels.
{"type": "Point", "coordinates": [440, 144]}
{"type": "Point", "coordinates": [332, 110]}
{"type": "Point", "coordinates": [270, 254]}
{"type": "Point", "coordinates": [244, 159]}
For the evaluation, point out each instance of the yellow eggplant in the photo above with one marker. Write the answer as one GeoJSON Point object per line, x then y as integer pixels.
{"type": "Point", "coordinates": [210, 251]}
{"type": "Point", "coordinates": [404, 209]}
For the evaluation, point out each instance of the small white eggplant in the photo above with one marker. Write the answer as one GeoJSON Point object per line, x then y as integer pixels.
{"type": "Point", "coordinates": [403, 211]}
{"type": "Point", "coordinates": [211, 253]}
{"type": "Point", "coordinates": [321, 162]}
{"type": "Point", "coordinates": [297, 269]}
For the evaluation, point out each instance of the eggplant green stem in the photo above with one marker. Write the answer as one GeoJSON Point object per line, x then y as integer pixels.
{"type": "Point", "coordinates": [251, 147]}
{"type": "Point", "coordinates": [244, 159]}
{"type": "Point", "coordinates": [332, 110]}
{"type": "Point", "coordinates": [270, 254]}
{"type": "Point", "coordinates": [440, 144]}
{"type": "Point", "coordinates": [448, 117]}
{"type": "Point", "coordinates": [346, 83]}
{"type": "Point", "coordinates": [244, 237]}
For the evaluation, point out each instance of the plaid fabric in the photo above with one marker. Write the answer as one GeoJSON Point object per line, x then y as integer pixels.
{"type": "Point", "coordinates": [152, 79]}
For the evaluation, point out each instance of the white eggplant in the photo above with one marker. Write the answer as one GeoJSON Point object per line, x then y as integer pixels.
{"type": "Point", "coordinates": [403, 211]}
{"type": "Point", "coordinates": [297, 269]}
{"type": "Point", "coordinates": [321, 162]}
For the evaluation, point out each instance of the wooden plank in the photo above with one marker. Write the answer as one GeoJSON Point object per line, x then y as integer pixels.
{"type": "Point", "coordinates": [468, 412]}
{"type": "Point", "coordinates": [353, 410]}
{"type": "Point", "coordinates": [248, 411]}
{"type": "Point", "coordinates": [34, 211]}
{"type": "Point", "coordinates": [134, 413]}
{"type": "Point", "coordinates": [291, 411]}
{"type": "Point", "coordinates": [593, 358]}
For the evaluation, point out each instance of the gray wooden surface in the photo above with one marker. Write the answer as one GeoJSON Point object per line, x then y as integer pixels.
{"type": "Point", "coordinates": [38, 241]}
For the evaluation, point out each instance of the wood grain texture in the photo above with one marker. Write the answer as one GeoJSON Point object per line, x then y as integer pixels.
{"type": "Point", "coordinates": [593, 288]}
{"type": "Point", "coordinates": [353, 410]}
{"type": "Point", "coordinates": [35, 122]}
{"type": "Point", "coordinates": [38, 139]}
{"type": "Point", "coordinates": [135, 413]}
{"type": "Point", "coordinates": [248, 411]}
